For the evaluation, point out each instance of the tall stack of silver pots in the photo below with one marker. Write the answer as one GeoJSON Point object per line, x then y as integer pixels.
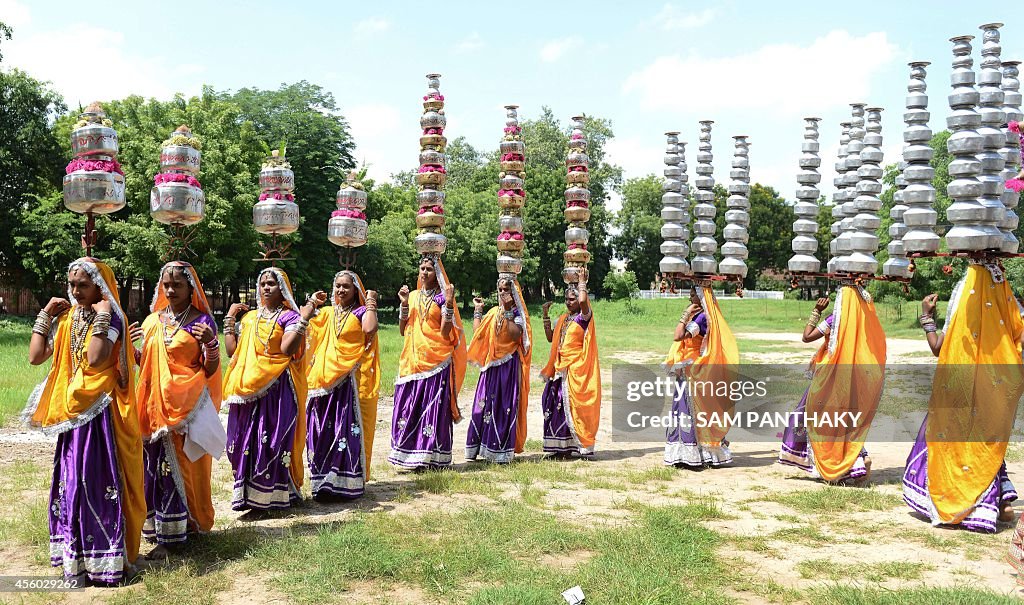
{"type": "Point", "coordinates": [178, 202]}
{"type": "Point", "coordinates": [703, 244]}
{"type": "Point", "coordinates": [737, 213]}
{"type": "Point", "coordinates": [920, 216]}
{"type": "Point", "coordinates": [276, 213]}
{"type": "Point", "coordinates": [974, 225]}
{"type": "Point", "coordinates": [431, 177]}
{"type": "Point", "coordinates": [577, 165]}
{"type": "Point", "coordinates": [866, 222]}
{"type": "Point", "coordinates": [838, 197]}
{"type": "Point", "coordinates": [675, 209]}
{"type": "Point", "coordinates": [897, 264]}
{"type": "Point", "coordinates": [993, 118]}
{"type": "Point", "coordinates": [90, 189]}
{"type": "Point", "coordinates": [844, 241]}
{"type": "Point", "coordinates": [349, 231]}
{"type": "Point", "coordinates": [511, 201]}
{"type": "Point", "coordinates": [1011, 148]}
{"type": "Point", "coordinates": [805, 228]}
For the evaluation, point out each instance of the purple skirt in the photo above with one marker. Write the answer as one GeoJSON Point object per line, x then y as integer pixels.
{"type": "Point", "coordinates": [559, 437]}
{"type": "Point", "coordinates": [492, 426]}
{"type": "Point", "coordinates": [796, 452]}
{"type": "Point", "coordinates": [87, 527]}
{"type": "Point", "coordinates": [422, 423]}
{"type": "Point", "coordinates": [167, 517]}
{"type": "Point", "coordinates": [261, 435]}
{"type": "Point", "coordinates": [915, 490]}
{"type": "Point", "coordinates": [681, 445]}
{"type": "Point", "coordinates": [334, 442]}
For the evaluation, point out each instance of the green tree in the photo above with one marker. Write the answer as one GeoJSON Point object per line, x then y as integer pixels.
{"type": "Point", "coordinates": [31, 168]}
{"type": "Point", "coordinates": [639, 222]}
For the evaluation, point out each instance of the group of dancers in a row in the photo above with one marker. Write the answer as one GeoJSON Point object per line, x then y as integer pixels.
{"type": "Point", "coordinates": [135, 408]}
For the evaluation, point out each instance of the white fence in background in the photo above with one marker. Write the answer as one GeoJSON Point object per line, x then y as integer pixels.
{"type": "Point", "coordinates": [747, 294]}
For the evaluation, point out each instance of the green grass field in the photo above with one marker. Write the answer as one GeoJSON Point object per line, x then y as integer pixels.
{"type": "Point", "coordinates": [642, 326]}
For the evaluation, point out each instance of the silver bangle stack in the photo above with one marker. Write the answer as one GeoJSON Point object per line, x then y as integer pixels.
{"type": "Point", "coordinates": [42, 325]}
{"type": "Point", "coordinates": [101, 325]}
{"type": "Point", "coordinates": [231, 326]}
{"type": "Point", "coordinates": [447, 313]}
{"type": "Point", "coordinates": [927, 323]}
{"type": "Point", "coordinates": [403, 312]}
{"type": "Point", "coordinates": [814, 318]}
{"type": "Point", "coordinates": [509, 315]}
{"type": "Point", "coordinates": [478, 314]}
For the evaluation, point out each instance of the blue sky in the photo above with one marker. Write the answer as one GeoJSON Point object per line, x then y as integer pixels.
{"type": "Point", "coordinates": [756, 68]}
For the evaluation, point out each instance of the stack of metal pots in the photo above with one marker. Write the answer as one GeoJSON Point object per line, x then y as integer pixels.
{"type": "Point", "coordinates": [177, 197]}
{"type": "Point", "coordinates": [805, 240]}
{"type": "Point", "coordinates": [347, 226]}
{"type": "Point", "coordinates": [1011, 148]}
{"type": "Point", "coordinates": [94, 183]}
{"type": "Point", "coordinates": [838, 197]}
{"type": "Point", "coordinates": [276, 212]}
{"type": "Point", "coordinates": [704, 244]}
{"type": "Point", "coordinates": [577, 200]}
{"type": "Point", "coordinates": [675, 209]}
{"type": "Point", "coordinates": [919, 195]}
{"type": "Point", "coordinates": [511, 200]}
{"type": "Point", "coordinates": [737, 214]}
{"type": "Point", "coordinates": [432, 174]}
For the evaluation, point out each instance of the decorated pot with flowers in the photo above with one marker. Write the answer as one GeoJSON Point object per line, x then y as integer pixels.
{"type": "Point", "coordinates": [177, 198]}
{"type": "Point", "coordinates": [276, 211]}
{"type": "Point", "coordinates": [347, 226]}
{"type": "Point", "coordinates": [93, 180]}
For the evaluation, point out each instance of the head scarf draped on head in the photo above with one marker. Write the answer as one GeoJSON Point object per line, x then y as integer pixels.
{"type": "Point", "coordinates": [172, 387]}
{"type": "Point", "coordinates": [488, 348]}
{"type": "Point", "coordinates": [282, 282]}
{"type": "Point", "coordinates": [335, 356]}
{"type": "Point", "coordinates": [425, 350]}
{"type": "Point", "coordinates": [65, 401]}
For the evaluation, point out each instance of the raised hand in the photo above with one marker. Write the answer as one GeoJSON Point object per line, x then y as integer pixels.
{"type": "Point", "coordinates": [505, 300]}
{"type": "Point", "coordinates": [203, 333]}
{"type": "Point", "coordinates": [821, 304]}
{"type": "Point", "coordinates": [449, 295]}
{"type": "Point", "coordinates": [135, 331]}
{"type": "Point", "coordinates": [56, 306]}
{"type": "Point", "coordinates": [928, 304]}
{"type": "Point", "coordinates": [102, 307]}
{"type": "Point", "coordinates": [478, 304]}
{"type": "Point", "coordinates": [371, 297]}
{"type": "Point", "coordinates": [403, 295]}
{"type": "Point", "coordinates": [238, 309]}
{"type": "Point", "coordinates": [544, 308]}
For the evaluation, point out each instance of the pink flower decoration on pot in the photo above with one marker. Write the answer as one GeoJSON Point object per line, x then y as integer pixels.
{"type": "Point", "coordinates": [577, 204]}
{"type": "Point", "coordinates": [349, 214]}
{"type": "Point", "coordinates": [432, 168]}
{"type": "Point", "coordinates": [277, 196]}
{"type": "Point", "coordinates": [578, 169]}
{"type": "Point", "coordinates": [577, 246]}
{"type": "Point", "coordinates": [1014, 127]}
{"type": "Point", "coordinates": [174, 177]}
{"type": "Point", "coordinates": [512, 157]}
{"type": "Point", "coordinates": [434, 95]}
{"type": "Point", "coordinates": [434, 209]}
{"type": "Point", "coordinates": [1015, 185]}
{"type": "Point", "coordinates": [434, 131]}
{"type": "Point", "coordinates": [100, 165]}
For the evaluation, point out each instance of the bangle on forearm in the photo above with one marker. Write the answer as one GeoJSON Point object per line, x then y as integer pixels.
{"type": "Point", "coordinates": [101, 325]}
{"type": "Point", "coordinates": [929, 328]}
{"type": "Point", "coordinates": [403, 312]}
{"type": "Point", "coordinates": [447, 313]}
{"type": "Point", "coordinates": [43, 323]}
{"type": "Point", "coordinates": [477, 314]}
{"type": "Point", "coordinates": [925, 318]}
{"type": "Point", "coordinates": [213, 344]}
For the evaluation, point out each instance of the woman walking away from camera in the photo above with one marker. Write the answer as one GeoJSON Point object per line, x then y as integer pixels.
{"type": "Point", "coordinates": [956, 473]}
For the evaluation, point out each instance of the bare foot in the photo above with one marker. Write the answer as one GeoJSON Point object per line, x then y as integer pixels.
{"type": "Point", "coordinates": [1006, 513]}
{"type": "Point", "coordinates": [860, 481]}
{"type": "Point", "coordinates": [158, 554]}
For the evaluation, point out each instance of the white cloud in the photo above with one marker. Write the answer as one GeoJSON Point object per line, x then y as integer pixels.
{"type": "Point", "coordinates": [375, 128]}
{"type": "Point", "coordinates": [671, 18]}
{"type": "Point", "coordinates": [14, 14]}
{"type": "Point", "coordinates": [784, 78]}
{"type": "Point", "coordinates": [44, 55]}
{"type": "Point", "coordinates": [471, 43]}
{"type": "Point", "coordinates": [371, 26]}
{"type": "Point", "coordinates": [554, 50]}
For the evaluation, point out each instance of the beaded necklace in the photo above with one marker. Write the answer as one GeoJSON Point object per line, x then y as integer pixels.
{"type": "Point", "coordinates": [81, 323]}
{"type": "Point", "coordinates": [340, 317]}
{"type": "Point", "coordinates": [272, 316]}
{"type": "Point", "coordinates": [426, 299]}
{"type": "Point", "coordinates": [179, 320]}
